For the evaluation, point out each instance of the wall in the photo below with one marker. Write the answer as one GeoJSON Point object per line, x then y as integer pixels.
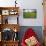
{"type": "Point", "coordinates": [27, 4]}
{"type": "Point", "coordinates": [31, 4]}
{"type": "Point", "coordinates": [7, 3]}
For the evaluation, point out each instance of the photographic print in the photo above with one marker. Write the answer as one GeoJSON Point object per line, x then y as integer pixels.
{"type": "Point", "coordinates": [29, 13]}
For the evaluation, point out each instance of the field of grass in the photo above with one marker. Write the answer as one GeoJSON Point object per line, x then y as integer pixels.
{"type": "Point", "coordinates": [29, 14]}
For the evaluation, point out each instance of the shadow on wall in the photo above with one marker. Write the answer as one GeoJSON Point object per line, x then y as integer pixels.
{"type": "Point", "coordinates": [37, 29]}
